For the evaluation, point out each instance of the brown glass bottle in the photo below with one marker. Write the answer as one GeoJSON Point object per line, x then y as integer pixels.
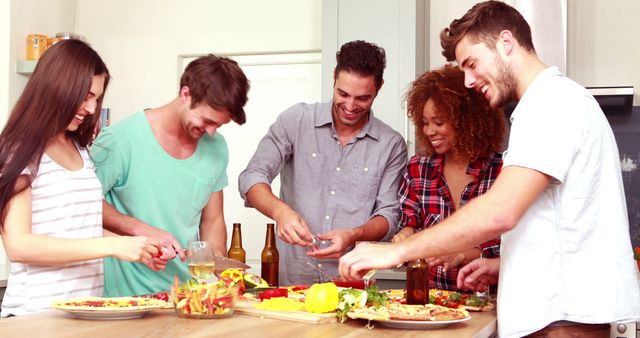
{"type": "Point", "coordinates": [418, 282]}
{"type": "Point", "coordinates": [270, 257]}
{"type": "Point", "coordinates": [236, 251]}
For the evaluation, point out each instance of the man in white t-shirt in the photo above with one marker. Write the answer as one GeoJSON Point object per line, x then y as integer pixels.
{"type": "Point", "coordinates": [566, 266]}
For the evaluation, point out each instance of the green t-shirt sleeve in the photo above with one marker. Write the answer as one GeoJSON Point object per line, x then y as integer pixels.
{"type": "Point", "coordinates": [221, 182]}
{"type": "Point", "coordinates": [108, 160]}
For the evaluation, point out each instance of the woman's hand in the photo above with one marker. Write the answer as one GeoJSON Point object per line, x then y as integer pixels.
{"type": "Point", "coordinates": [479, 274]}
{"type": "Point", "coordinates": [139, 249]}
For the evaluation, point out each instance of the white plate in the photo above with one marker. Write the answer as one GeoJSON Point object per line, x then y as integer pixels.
{"type": "Point", "coordinates": [419, 324]}
{"type": "Point", "coordinates": [108, 315]}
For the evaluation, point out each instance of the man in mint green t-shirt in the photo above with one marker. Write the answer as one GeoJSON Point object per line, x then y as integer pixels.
{"type": "Point", "coordinates": [163, 170]}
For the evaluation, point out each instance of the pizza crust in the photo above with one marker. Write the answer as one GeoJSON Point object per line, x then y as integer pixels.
{"type": "Point", "coordinates": [109, 304]}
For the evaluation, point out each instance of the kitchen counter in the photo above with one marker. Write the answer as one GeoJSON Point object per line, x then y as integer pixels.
{"type": "Point", "coordinates": [164, 323]}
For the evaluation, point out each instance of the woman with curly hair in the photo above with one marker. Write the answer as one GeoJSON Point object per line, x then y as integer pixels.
{"type": "Point", "coordinates": [458, 159]}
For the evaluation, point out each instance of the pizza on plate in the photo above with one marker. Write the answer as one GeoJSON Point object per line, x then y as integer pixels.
{"type": "Point", "coordinates": [398, 311]}
{"type": "Point", "coordinates": [109, 304]}
{"type": "Point", "coordinates": [467, 301]}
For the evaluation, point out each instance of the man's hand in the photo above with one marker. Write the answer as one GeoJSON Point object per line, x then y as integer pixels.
{"type": "Point", "coordinates": [292, 229]}
{"type": "Point", "coordinates": [168, 243]}
{"type": "Point", "coordinates": [455, 260]}
{"type": "Point", "coordinates": [402, 234]}
{"type": "Point", "coordinates": [479, 274]}
{"type": "Point", "coordinates": [355, 263]}
{"type": "Point", "coordinates": [340, 240]}
{"type": "Point", "coordinates": [447, 262]}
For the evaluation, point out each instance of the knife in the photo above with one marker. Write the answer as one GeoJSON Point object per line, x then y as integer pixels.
{"type": "Point", "coordinates": [222, 263]}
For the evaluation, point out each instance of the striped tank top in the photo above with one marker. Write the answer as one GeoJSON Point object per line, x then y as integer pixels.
{"type": "Point", "coordinates": [65, 204]}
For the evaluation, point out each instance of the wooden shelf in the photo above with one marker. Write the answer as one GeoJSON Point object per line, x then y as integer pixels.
{"type": "Point", "coordinates": [26, 67]}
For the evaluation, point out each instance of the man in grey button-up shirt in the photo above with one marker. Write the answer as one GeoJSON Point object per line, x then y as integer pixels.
{"type": "Point", "coordinates": [340, 169]}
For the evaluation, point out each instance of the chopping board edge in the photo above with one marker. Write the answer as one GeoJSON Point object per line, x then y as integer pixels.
{"type": "Point", "coordinates": [295, 316]}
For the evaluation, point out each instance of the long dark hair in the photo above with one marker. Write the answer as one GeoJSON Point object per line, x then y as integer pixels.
{"type": "Point", "coordinates": [57, 88]}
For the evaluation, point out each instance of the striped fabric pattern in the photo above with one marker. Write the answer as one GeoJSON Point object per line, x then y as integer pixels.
{"type": "Point", "coordinates": [425, 201]}
{"type": "Point", "coordinates": [65, 204]}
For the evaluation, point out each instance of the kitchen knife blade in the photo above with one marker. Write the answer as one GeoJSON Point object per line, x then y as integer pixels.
{"type": "Point", "coordinates": [222, 263]}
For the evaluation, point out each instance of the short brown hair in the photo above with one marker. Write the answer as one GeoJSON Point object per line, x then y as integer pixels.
{"type": "Point", "coordinates": [361, 58]}
{"type": "Point", "coordinates": [483, 23]}
{"type": "Point", "coordinates": [219, 82]}
{"type": "Point", "coordinates": [480, 130]}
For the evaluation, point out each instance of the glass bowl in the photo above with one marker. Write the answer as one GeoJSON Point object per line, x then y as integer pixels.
{"type": "Point", "coordinates": [204, 301]}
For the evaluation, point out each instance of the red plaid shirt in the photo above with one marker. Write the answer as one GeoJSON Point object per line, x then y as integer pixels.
{"type": "Point", "coordinates": [425, 200]}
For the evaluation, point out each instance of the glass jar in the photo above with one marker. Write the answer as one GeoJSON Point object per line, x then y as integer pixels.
{"type": "Point", "coordinates": [36, 46]}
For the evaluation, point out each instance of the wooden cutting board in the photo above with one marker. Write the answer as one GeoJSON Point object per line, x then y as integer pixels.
{"type": "Point", "coordinates": [295, 316]}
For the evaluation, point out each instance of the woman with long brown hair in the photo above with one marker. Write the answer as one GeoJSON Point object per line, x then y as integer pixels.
{"type": "Point", "coordinates": [50, 197]}
{"type": "Point", "coordinates": [460, 138]}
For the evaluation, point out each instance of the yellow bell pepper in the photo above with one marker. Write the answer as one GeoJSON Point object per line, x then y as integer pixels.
{"type": "Point", "coordinates": [234, 274]}
{"type": "Point", "coordinates": [321, 298]}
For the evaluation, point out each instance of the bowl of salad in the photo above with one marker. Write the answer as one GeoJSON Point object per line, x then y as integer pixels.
{"type": "Point", "coordinates": [203, 301]}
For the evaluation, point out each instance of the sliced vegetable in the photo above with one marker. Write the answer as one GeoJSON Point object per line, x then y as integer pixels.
{"type": "Point", "coordinates": [273, 293]}
{"type": "Point", "coordinates": [280, 304]}
{"type": "Point", "coordinates": [254, 281]}
{"type": "Point", "coordinates": [352, 298]}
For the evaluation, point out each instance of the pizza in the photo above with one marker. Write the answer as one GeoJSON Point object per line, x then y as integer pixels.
{"type": "Point", "coordinates": [109, 304]}
{"type": "Point", "coordinates": [450, 299]}
{"type": "Point", "coordinates": [454, 299]}
{"type": "Point", "coordinates": [398, 311]}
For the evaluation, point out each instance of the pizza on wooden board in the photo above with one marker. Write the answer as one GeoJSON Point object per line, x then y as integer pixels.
{"type": "Point", "coordinates": [109, 304]}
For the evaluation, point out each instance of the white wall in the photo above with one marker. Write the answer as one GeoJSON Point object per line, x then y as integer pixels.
{"type": "Point", "coordinates": [140, 40]}
{"type": "Point", "coordinates": [143, 44]}
{"type": "Point", "coordinates": [33, 17]}
{"type": "Point", "coordinates": [603, 47]}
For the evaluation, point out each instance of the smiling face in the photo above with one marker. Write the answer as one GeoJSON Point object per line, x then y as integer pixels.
{"type": "Point", "coordinates": [201, 118]}
{"type": "Point", "coordinates": [204, 119]}
{"type": "Point", "coordinates": [353, 97]}
{"type": "Point", "coordinates": [88, 106]}
{"type": "Point", "coordinates": [440, 132]}
{"type": "Point", "coordinates": [486, 72]}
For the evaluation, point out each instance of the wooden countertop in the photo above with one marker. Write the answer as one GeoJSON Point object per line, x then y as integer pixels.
{"type": "Point", "coordinates": [164, 323]}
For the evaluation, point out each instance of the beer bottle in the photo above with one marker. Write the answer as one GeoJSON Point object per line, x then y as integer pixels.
{"type": "Point", "coordinates": [418, 282]}
{"type": "Point", "coordinates": [270, 257]}
{"type": "Point", "coordinates": [236, 251]}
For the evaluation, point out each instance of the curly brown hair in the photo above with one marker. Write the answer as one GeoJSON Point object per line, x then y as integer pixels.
{"type": "Point", "coordinates": [480, 130]}
{"type": "Point", "coordinates": [483, 23]}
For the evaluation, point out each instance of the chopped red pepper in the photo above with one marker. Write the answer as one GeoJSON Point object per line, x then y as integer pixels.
{"type": "Point", "coordinates": [273, 293]}
{"type": "Point", "coordinates": [300, 287]}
